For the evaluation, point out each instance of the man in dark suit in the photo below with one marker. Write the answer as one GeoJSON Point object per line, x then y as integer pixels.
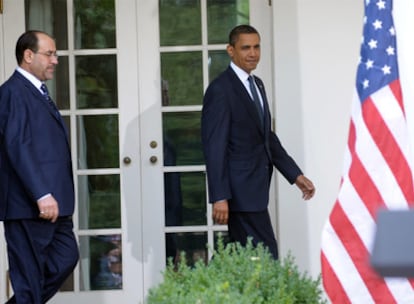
{"type": "Point", "coordinates": [36, 179]}
{"type": "Point", "coordinates": [239, 147]}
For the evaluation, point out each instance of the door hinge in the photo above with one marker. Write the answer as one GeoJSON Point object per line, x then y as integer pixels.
{"type": "Point", "coordinates": [270, 2]}
{"type": "Point", "coordinates": [1, 6]}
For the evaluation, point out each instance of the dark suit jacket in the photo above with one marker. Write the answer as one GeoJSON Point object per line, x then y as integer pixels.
{"type": "Point", "coordinates": [35, 156]}
{"type": "Point", "coordinates": [239, 152]}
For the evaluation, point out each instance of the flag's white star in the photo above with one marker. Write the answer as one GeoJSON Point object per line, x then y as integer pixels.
{"type": "Point", "coordinates": [377, 24]}
{"type": "Point", "coordinates": [392, 31]}
{"type": "Point", "coordinates": [390, 50]}
{"type": "Point", "coordinates": [369, 64]}
{"type": "Point", "coordinates": [381, 4]}
{"type": "Point", "coordinates": [386, 69]}
{"type": "Point", "coordinates": [365, 83]}
{"type": "Point", "coordinates": [373, 44]}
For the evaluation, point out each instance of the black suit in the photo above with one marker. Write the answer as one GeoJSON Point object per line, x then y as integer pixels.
{"type": "Point", "coordinates": [35, 160]}
{"type": "Point", "coordinates": [240, 152]}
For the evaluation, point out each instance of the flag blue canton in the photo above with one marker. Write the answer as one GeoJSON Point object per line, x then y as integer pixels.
{"type": "Point", "coordinates": [378, 59]}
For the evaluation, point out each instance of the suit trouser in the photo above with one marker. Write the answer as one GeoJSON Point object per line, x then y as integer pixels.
{"type": "Point", "coordinates": [253, 224]}
{"type": "Point", "coordinates": [41, 256]}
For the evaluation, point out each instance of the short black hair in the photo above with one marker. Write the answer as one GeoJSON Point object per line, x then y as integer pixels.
{"type": "Point", "coordinates": [241, 29]}
{"type": "Point", "coordinates": [27, 40]}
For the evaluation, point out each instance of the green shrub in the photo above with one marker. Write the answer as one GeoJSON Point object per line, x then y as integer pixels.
{"type": "Point", "coordinates": [236, 275]}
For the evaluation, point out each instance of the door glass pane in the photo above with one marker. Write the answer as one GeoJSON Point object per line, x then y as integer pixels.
{"type": "Point", "coordinates": [185, 198]}
{"type": "Point", "coordinates": [101, 205]}
{"type": "Point", "coordinates": [182, 138]}
{"type": "Point", "coordinates": [98, 145]}
{"type": "Point", "coordinates": [217, 63]}
{"type": "Point", "coordinates": [180, 22]}
{"type": "Point", "coordinates": [94, 24]}
{"type": "Point", "coordinates": [96, 82]}
{"type": "Point", "coordinates": [49, 16]}
{"type": "Point", "coordinates": [182, 77]}
{"type": "Point", "coordinates": [60, 91]}
{"type": "Point", "coordinates": [192, 243]}
{"type": "Point", "coordinates": [222, 16]}
{"type": "Point", "coordinates": [101, 262]}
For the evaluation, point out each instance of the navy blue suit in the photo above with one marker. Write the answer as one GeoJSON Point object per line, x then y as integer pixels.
{"type": "Point", "coordinates": [35, 160]}
{"type": "Point", "coordinates": [239, 151]}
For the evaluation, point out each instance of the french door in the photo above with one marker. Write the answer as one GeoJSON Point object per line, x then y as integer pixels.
{"type": "Point", "coordinates": [129, 84]}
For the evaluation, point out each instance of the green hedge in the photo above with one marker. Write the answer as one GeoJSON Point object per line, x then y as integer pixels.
{"type": "Point", "coordinates": [237, 275]}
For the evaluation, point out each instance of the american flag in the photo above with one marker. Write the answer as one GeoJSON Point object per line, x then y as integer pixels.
{"type": "Point", "coordinates": [377, 172]}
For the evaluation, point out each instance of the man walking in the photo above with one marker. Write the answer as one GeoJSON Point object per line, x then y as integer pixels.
{"type": "Point", "coordinates": [36, 179]}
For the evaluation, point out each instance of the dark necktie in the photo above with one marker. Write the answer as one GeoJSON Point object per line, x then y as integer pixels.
{"type": "Point", "coordinates": [256, 98]}
{"type": "Point", "coordinates": [49, 100]}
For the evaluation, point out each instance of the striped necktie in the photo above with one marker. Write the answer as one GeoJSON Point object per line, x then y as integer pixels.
{"type": "Point", "coordinates": [256, 98]}
{"type": "Point", "coordinates": [49, 100]}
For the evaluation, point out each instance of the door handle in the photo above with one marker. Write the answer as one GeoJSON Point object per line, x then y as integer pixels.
{"type": "Point", "coordinates": [153, 159]}
{"type": "Point", "coordinates": [127, 160]}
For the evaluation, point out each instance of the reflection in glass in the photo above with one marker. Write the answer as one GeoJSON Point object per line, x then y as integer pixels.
{"type": "Point", "coordinates": [218, 61]}
{"type": "Point", "coordinates": [180, 22]}
{"type": "Point", "coordinates": [100, 262]}
{"type": "Point", "coordinates": [185, 201]}
{"type": "Point", "coordinates": [182, 134]}
{"type": "Point", "coordinates": [98, 141]}
{"type": "Point", "coordinates": [96, 82]}
{"type": "Point", "coordinates": [194, 244]}
{"type": "Point", "coordinates": [68, 285]}
{"type": "Point", "coordinates": [99, 201]}
{"type": "Point", "coordinates": [222, 16]}
{"type": "Point", "coordinates": [90, 30]}
{"type": "Point", "coordinates": [182, 78]}
{"type": "Point", "coordinates": [49, 16]}
{"type": "Point", "coordinates": [60, 93]}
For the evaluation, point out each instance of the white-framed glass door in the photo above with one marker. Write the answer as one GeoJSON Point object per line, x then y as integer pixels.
{"type": "Point", "coordinates": [129, 84]}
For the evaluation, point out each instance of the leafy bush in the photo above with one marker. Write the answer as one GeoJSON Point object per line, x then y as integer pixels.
{"type": "Point", "coordinates": [236, 274]}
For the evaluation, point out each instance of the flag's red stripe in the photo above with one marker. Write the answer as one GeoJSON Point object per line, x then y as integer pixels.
{"type": "Point", "coordinates": [389, 148]}
{"type": "Point", "coordinates": [332, 285]}
{"type": "Point", "coordinates": [361, 180]}
{"type": "Point", "coordinates": [360, 256]}
{"type": "Point", "coordinates": [395, 88]}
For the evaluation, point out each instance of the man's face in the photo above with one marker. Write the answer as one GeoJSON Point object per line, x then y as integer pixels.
{"type": "Point", "coordinates": [246, 52]}
{"type": "Point", "coordinates": [42, 63]}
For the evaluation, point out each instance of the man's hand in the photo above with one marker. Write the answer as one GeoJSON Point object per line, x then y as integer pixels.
{"type": "Point", "coordinates": [221, 212]}
{"type": "Point", "coordinates": [306, 186]}
{"type": "Point", "coordinates": [48, 208]}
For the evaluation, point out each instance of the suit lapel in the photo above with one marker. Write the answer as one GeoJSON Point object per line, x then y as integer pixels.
{"type": "Point", "coordinates": [245, 98]}
{"type": "Point", "coordinates": [42, 100]}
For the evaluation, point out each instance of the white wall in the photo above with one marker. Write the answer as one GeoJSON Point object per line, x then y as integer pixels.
{"type": "Point", "coordinates": [316, 52]}
{"type": "Point", "coordinates": [317, 48]}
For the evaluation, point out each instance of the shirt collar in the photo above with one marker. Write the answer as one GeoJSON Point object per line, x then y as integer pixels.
{"type": "Point", "coordinates": [36, 82]}
{"type": "Point", "coordinates": [239, 72]}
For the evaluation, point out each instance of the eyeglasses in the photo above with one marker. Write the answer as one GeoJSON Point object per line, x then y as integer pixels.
{"type": "Point", "coordinates": [48, 54]}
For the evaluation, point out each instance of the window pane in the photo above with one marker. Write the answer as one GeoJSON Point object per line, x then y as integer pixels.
{"type": "Point", "coordinates": [182, 78]}
{"type": "Point", "coordinates": [218, 61]}
{"type": "Point", "coordinates": [194, 244]}
{"type": "Point", "coordinates": [97, 141]}
{"type": "Point", "coordinates": [60, 90]}
{"type": "Point", "coordinates": [49, 16]}
{"type": "Point", "coordinates": [90, 31]}
{"type": "Point", "coordinates": [96, 82]}
{"type": "Point", "coordinates": [185, 198]}
{"type": "Point", "coordinates": [180, 22]}
{"type": "Point", "coordinates": [222, 16]}
{"type": "Point", "coordinates": [99, 201]}
{"type": "Point", "coordinates": [182, 138]}
{"type": "Point", "coordinates": [100, 262]}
